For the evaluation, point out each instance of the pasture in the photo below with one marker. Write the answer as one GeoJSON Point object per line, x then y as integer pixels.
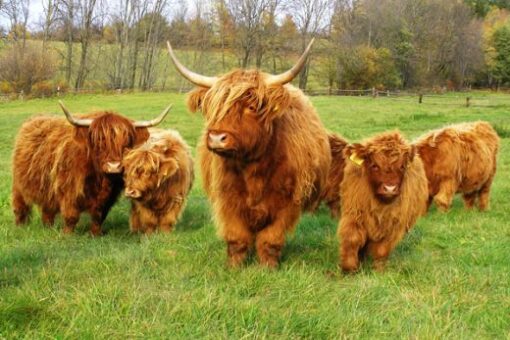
{"type": "Point", "coordinates": [449, 278]}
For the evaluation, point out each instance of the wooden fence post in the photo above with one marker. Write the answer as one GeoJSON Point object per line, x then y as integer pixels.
{"type": "Point", "coordinates": [420, 99]}
{"type": "Point", "coordinates": [467, 101]}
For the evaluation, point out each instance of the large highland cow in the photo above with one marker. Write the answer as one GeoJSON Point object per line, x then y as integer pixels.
{"type": "Point", "coordinates": [264, 156]}
{"type": "Point", "coordinates": [74, 165]}
{"type": "Point", "coordinates": [383, 192]}
{"type": "Point", "coordinates": [158, 176]}
{"type": "Point", "coordinates": [460, 158]}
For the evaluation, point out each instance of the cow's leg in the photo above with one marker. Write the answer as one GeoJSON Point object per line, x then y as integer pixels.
{"type": "Point", "coordinates": [48, 215]}
{"type": "Point", "coordinates": [95, 226]}
{"type": "Point", "coordinates": [71, 216]}
{"type": "Point", "coordinates": [470, 199]}
{"type": "Point", "coordinates": [167, 222]}
{"type": "Point", "coordinates": [20, 208]}
{"type": "Point", "coordinates": [444, 197]}
{"type": "Point", "coordinates": [271, 239]}
{"type": "Point", "coordinates": [379, 252]}
{"type": "Point", "coordinates": [352, 240]}
{"type": "Point", "coordinates": [134, 219]}
{"type": "Point", "coordinates": [484, 195]}
{"type": "Point", "coordinates": [239, 239]}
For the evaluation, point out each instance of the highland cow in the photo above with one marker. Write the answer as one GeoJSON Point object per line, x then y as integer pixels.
{"type": "Point", "coordinates": [383, 193]}
{"type": "Point", "coordinates": [74, 165]}
{"type": "Point", "coordinates": [158, 176]}
{"type": "Point", "coordinates": [460, 158]}
{"type": "Point", "coordinates": [331, 192]}
{"type": "Point", "coordinates": [264, 156]}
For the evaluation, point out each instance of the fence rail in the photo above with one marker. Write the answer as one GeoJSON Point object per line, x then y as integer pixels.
{"type": "Point", "coordinates": [466, 99]}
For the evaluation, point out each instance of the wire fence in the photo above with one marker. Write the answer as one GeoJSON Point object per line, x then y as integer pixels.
{"type": "Point", "coordinates": [458, 98]}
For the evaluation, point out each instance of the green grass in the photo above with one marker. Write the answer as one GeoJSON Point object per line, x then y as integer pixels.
{"type": "Point", "coordinates": [449, 278]}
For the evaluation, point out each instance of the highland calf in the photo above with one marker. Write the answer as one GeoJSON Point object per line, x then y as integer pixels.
{"type": "Point", "coordinates": [264, 156]}
{"type": "Point", "coordinates": [331, 193]}
{"type": "Point", "coordinates": [158, 176]}
{"type": "Point", "coordinates": [74, 165]}
{"type": "Point", "coordinates": [460, 158]}
{"type": "Point", "coordinates": [383, 193]}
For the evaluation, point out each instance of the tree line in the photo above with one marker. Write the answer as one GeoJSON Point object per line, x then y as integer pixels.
{"type": "Point", "coordinates": [385, 44]}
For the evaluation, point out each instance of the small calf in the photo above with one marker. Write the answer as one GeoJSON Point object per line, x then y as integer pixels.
{"type": "Point", "coordinates": [383, 193]}
{"type": "Point", "coordinates": [158, 177]}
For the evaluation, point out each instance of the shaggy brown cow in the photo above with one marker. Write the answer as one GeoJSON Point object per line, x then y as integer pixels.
{"type": "Point", "coordinates": [331, 193]}
{"type": "Point", "coordinates": [383, 193]}
{"type": "Point", "coordinates": [264, 156]}
{"type": "Point", "coordinates": [158, 177]}
{"type": "Point", "coordinates": [460, 158]}
{"type": "Point", "coordinates": [69, 168]}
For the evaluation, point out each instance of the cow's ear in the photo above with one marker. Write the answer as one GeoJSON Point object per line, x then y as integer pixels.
{"type": "Point", "coordinates": [356, 153]}
{"type": "Point", "coordinates": [276, 101]}
{"type": "Point", "coordinates": [141, 136]}
{"type": "Point", "coordinates": [196, 98]}
{"type": "Point", "coordinates": [169, 166]}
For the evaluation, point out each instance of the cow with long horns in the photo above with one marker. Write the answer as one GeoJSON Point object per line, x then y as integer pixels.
{"type": "Point", "coordinates": [264, 156]}
{"type": "Point", "coordinates": [74, 165]}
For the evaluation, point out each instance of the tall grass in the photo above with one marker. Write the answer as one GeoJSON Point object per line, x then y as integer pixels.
{"type": "Point", "coordinates": [449, 278]}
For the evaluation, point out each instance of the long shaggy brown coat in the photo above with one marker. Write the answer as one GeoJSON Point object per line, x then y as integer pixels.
{"type": "Point", "coordinates": [60, 167]}
{"type": "Point", "coordinates": [278, 165]}
{"type": "Point", "coordinates": [460, 158]}
{"type": "Point", "coordinates": [158, 177]}
{"type": "Point", "coordinates": [371, 224]}
{"type": "Point", "coordinates": [331, 193]}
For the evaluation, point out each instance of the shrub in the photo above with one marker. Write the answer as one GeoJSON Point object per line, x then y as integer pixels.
{"type": "Point", "coordinates": [5, 87]}
{"type": "Point", "coordinates": [42, 89]}
{"type": "Point", "coordinates": [24, 67]}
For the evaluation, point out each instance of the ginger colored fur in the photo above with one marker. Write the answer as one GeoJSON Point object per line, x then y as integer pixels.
{"type": "Point", "coordinates": [460, 158]}
{"type": "Point", "coordinates": [370, 223]}
{"type": "Point", "coordinates": [276, 164]}
{"type": "Point", "coordinates": [331, 192]}
{"type": "Point", "coordinates": [160, 174]}
{"type": "Point", "coordinates": [59, 167]}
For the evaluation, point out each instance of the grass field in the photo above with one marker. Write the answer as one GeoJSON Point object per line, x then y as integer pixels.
{"type": "Point", "coordinates": [449, 278]}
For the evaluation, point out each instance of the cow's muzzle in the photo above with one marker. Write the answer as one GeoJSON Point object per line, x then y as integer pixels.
{"type": "Point", "coordinates": [217, 140]}
{"type": "Point", "coordinates": [132, 193]}
{"type": "Point", "coordinates": [112, 167]}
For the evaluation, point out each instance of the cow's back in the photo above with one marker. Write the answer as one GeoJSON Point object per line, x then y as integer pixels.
{"type": "Point", "coordinates": [39, 148]}
{"type": "Point", "coordinates": [480, 144]}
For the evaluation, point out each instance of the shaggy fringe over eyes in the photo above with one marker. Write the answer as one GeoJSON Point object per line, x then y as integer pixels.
{"type": "Point", "coordinates": [141, 160]}
{"type": "Point", "coordinates": [239, 86]}
{"type": "Point", "coordinates": [110, 132]}
{"type": "Point", "coordinates": [392, 144]}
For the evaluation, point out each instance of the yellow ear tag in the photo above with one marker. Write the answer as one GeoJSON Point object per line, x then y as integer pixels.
{"type": "Point", "coordinates": [276, 108]}
{"type": "Point", "coordinates": [354, 157]}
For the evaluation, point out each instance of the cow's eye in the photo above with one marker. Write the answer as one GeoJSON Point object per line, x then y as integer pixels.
{"type": "Point", "coordinates": [375, 167]}
{"type": "Point", "coordinates": [252, 108]}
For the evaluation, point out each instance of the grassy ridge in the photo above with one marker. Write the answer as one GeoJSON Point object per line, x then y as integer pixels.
{"type": "Point", "coordinates": [450, 277]}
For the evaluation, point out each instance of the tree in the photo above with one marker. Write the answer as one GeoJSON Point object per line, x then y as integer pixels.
{"type": "Point", "coordinates": [501, 68]}
{"type": "Point", "coordinates": [50, 12]}
{"type": "Point", "coordinates": [86, 14]}
{"type": "Point", "coordinates": [311, 16]}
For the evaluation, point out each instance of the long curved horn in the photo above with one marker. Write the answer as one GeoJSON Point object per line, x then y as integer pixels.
{"type": "Point", "coordinates": [286, 77]}
{"type": "Point", "coordinates": [155, 121]}
{"type": "Point", "coordinates": [73, 120]}
{"type": "Point", "coordinates": [193, 77]}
